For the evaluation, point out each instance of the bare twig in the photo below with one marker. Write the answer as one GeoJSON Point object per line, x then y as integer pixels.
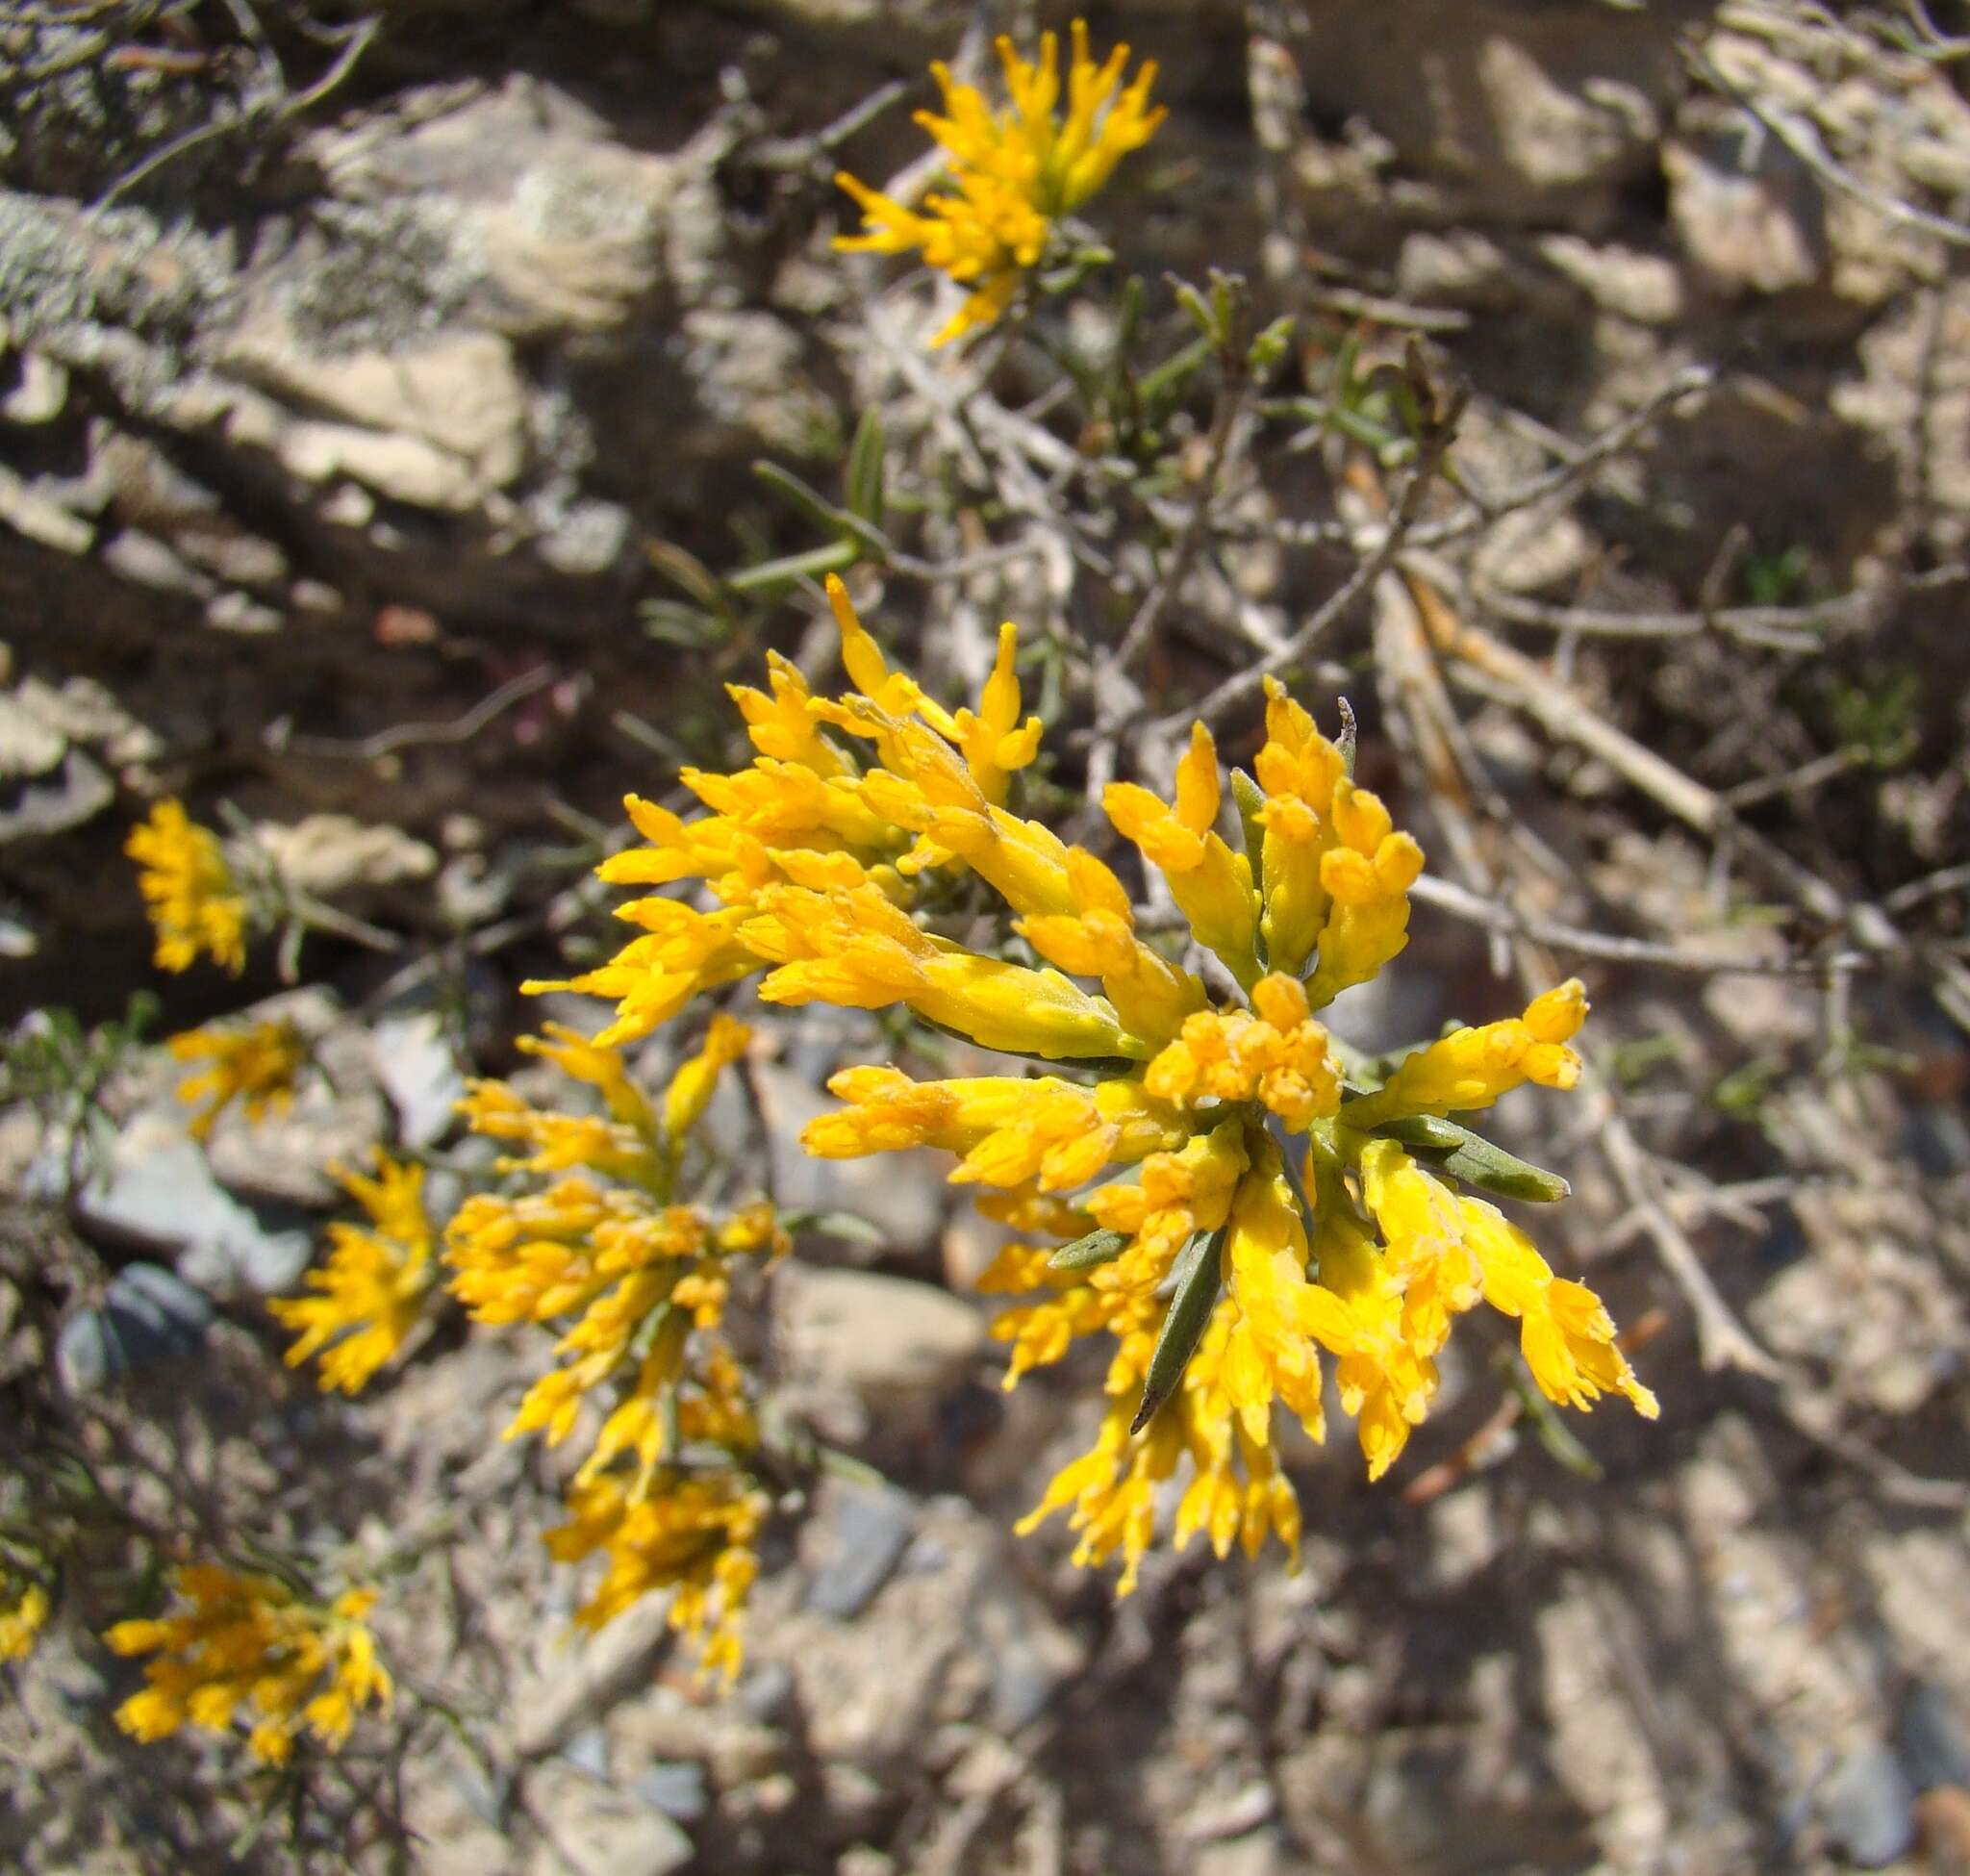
{"type": "Point", "coordinates": [1460, 902]}
{"type": "Point", "coordinates": [1616, 440]}
{"type": "Point", "coordinates": [1246, 683]}
{"type": "Point", "coordinates": [1561, 711]}
{"type": "Point", "coordinates": [1722, 1340]}
{"type": "Point", "coordinates": [355, 42]}
{"type": "Point", "coordinates": [1918, 892]}
{"type": "Point", "coordinates": [1804, 141]}
{"type": "Point", "coordinates": [403, 736]}
{"type": "Point", "coordinates": [1110, 689]}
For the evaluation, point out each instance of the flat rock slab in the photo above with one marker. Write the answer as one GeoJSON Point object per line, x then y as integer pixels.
{"type": "Point", "coordinates": [159, 1193]}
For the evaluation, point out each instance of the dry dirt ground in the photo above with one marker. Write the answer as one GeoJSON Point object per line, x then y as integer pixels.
{"type": "Point", "coordinates": [361, 377]}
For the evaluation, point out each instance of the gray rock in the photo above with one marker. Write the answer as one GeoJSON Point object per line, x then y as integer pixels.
{"type": "Point", "coordinates": [241, 613]}
{"type": "Point", "coordinates": [1031, 1656]}
{"type": "Point", "coordinates": [148, 561]}
{"type": "Point", "coordinates": [1646, 288]}
{"type": "Point", "coordinates": [35, 514]}
{"type": "Point", "coordinates": [896, 1345]}
{"type": "Point", "coordinates": [147, 1316]}
{"type": "Point", "coordinates": [419, 1073]}
{"type": "Point", "coordinates": [675, 1787]}
{"type": "Point", "coordinates": [157, 1191]}
{"type": "Point", "coordinates": [900, 1194]}
{"type": "Point", "coordinates": [84, 711]}
{"type": "Point", "coordinates": [1748, 213]}
{"type": "Point", "coordinates": [1261, 1853]}
{"type": "Point", "coordinates": [1929, 1740]}
{"type": "Point", "coordinates": [156, 1313]}
{"type": "Point", "coordinates": [332, 855]}
{"type": "Point", "coordinates": [87, 1358]}
{"type": "Point", "coordinates": [458, 395]}
{"type": "Point", "coordinates": [40, 393]}
{"type": "Point", "coordinates": [1868, 1807]}
{"type": "Point", "coordinates": [28, 745]}
{"type": "Point", "coordinates": [588, 538]}
{"type": "Point", "coordinates": [862, 1532]}
{"type": "Point", "coordinates": [51, 804]}
{"type": "Point", "coordinates": [602, 1832]}
{"type": "Point", "coordinates": [588, 1751]}
{"type": "Point", "coordinates": [766, 1689]}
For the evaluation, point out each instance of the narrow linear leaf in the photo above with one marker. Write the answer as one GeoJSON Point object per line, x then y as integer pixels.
{"type": "Point", "coordinates": [1470, 1158]}
{"type": "Point", "coordinates": [830, 559]}
{"type": "Point", "coordinates": [1490, 1168]}
{"type": "Point", "coordinates": [1428, 1131]}
{"type": "Point", "coordinates": [1099, 1247]}
{"type": "Point", "coordinates": [684, 570]}
{"type": "Point", "coordinates": [846, 1225]}
{"type": "Point", "coordinates": [1198, 1279]}
{"type": "Point", "coordinates": [1162, 387]}
{"type": "Point", "coordinates": [1550, 1427]}
{"type": "Point", "coordinates": [866, 469]}
{"type": "Point", "coordinates": [1198, 307]}
{"type": "Point", "coordinates": [809, 501]}
{"type": "Point", "coordinates": [1250, 799]}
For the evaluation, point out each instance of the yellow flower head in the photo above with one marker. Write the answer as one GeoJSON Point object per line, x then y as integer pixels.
{"type": "Point", "coordinates": [21, 1621]}
{"type": "Point", "coordinates": [1241, 1201]}
{"type": "Point", "coordinates": [248, 1648]}
{"type": "Point", "coordinates": [692, 1535]}
{"type": "Point", "coordinates": [635, 1286]}
{"type": "Point", "coordinates": [256, 1065]}
{"type": "Point", "coordinates": [193, 898]}
{"type": "Point", "coordinates": [1014, 174]}
{"type": "Point", "coordinates": [373, 1288]}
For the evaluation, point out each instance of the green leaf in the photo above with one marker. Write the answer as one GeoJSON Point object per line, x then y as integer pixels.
{"type": "Point", "coordinates": [809, 501]}
{"type": "Point", "coordinates": [784, 571]}
{"type": "Point", "coordinates": [1270, 347]}
{"type": "Point", "coordinates": [846, 1225]}
{"type": "Point", "coordinates": [684, 570]}
{"type": "Point", "coordinates": [1199, 308]}
{"type": "Point", "coordinates": [1470, 1158]}
{"type": "Point", "coordinates": [866, 469]}
{"type": "Point", "coordinates": [1097, 1247]}
{"type": "Point", "coordinates": [1198, 1281]}
{"type": "Point", "coordinates": [1250, 799]}
{"type": "Point", "coordinates": [1162, 387]}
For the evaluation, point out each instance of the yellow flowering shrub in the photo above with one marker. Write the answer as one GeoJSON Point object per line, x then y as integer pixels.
{"type": "Point", "coordinates": [255, 1065]}
{"type": "Point", "coordinates": [373, 1288]}
{"type": "Point", "coordinates": [247, 1647]}
{"type": "Point", "coordinates": [594, 1242]}
{"type": "Point", "coordinates": [21, 1621]}
{"type": "Point", "coordinates": [197, 904]}
{"type": "Point", "coordinates": [1012, 175]}
{"type": "Point", "coordinates": [1238, 1198]}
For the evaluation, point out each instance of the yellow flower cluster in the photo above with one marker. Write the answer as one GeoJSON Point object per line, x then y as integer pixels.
{"type": "Point", "coordinates": [193, 900]}
{"type": "Point", "coordinates": [256, 1065]}
{"type": "Point", "coordinates": [596, 1245]}
{"type": "Point", "coordinates": [21, 1621]}
{"type": "Point", "coordinates": [1012, 176]}
{"type": "Point", "coordinates": [1236, 1207]}
{"type": "Point", "coordinates": [373, 1288]}
{"type": "Point", "coordinates": [247, 1647]}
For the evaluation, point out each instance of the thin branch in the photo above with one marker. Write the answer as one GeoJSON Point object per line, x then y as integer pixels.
{"type": "Point", "coordinates": [1802, 140]}
{"type": "Point", "coordinates": [1918, 892]}
{"type": "Point", "coordinates": [404, 736]}
{"type": "Point", "coordinates": [1460, 902]}
{"type": "Point", "coordinates": [1246, 683]}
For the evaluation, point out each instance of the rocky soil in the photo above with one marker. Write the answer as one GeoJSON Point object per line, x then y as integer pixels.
{"type": "Point", "coordinates": [366, 381]}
